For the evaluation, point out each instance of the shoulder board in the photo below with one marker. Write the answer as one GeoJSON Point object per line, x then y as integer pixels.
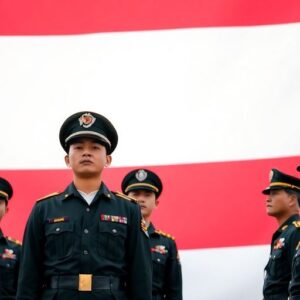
{"type": "Point", "coordinates": [47, 196]}
{"type": "Point", "coordinates": [131, 199]}
{"type": "Point", "coordinates": [296, 224]}
{"type": "Point", "coordinates": [14, 240]}
{"type": "Point", "coordinates": [165, 234]}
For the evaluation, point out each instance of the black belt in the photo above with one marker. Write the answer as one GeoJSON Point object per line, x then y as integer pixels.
{"type": "Point", "coordinates": [86, 282]}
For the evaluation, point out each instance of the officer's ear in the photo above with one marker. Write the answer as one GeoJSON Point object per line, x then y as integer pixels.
{"type": "Point", "coordinates": [293, 200]}
{"type": "Point", "coordinates": [156, 202]}
{"type": "Point", "coordinates": [108, 160]}
{"type": "Point", "coordinates": [67, 161]}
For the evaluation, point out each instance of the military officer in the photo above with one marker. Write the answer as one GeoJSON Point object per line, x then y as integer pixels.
{"type": "Point", "coordinates": [145, 186]}
{"type": "Point", "coordinates": [86, 242]}
{"type": "Point", "coordinates": [10, 250]}
{"type": "Point", "coordinates": [282, 203]}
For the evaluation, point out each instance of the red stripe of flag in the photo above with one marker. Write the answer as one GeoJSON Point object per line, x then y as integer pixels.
{"type": "Point", "coordinates": [35, 17]}
{"type": "Point", "coordinates": [203, 205]}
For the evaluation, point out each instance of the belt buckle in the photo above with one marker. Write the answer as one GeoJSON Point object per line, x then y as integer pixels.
{"type": "Point", "coordinates": [85, 283]}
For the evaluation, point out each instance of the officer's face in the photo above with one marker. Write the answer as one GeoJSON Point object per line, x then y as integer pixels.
{"type": "Point", "coordinates": [147, 201]}
{"type": "Point", "coordinates": [3, 208]}
{"type": "Point", "coordinates": [278, 203]}
{"type": "Point", "coordinates": [87, 158]}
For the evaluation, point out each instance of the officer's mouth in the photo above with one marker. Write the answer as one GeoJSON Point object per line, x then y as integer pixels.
{"type": "Point", "coordinates": [85, 162]}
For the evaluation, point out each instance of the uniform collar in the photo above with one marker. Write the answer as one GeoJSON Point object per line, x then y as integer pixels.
{"type": "Point", "coordinates": [72, 191]}
{"type": "Point", "coordinates": [2, 237]}
{"type": "Point", "coordinates": [288, 222]}
{"type": "Point", "coordinates": [151, 230]}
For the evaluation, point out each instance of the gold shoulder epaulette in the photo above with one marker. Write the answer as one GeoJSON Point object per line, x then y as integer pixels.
{"type": "Point", "coordinates": [297, 224]}
{"type": "Point", "coordinates": [47, 196]}
{"type": "Point", "coordinates": [126, 197]}
{"type": "Point", "coordinates": [165, 234]}
{"type": "Point", "coordinates": [14, 240]}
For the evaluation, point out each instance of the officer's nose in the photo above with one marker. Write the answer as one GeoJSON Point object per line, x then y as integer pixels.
{"type": "Point", "coordinates": [86, 152]}
{"type": "Point", "coordinates": [140, 200]}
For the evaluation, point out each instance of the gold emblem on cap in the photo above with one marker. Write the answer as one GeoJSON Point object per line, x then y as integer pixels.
{"type": "Point", "coordinates": [271, 175]}
{"type": "Point", "coordinates": [141, 175]}
{"type": "Point", "coordinates": [87, 120]}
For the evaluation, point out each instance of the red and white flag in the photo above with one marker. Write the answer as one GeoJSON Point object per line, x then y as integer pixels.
{"type": "Point", "coordinates": [205, 93]}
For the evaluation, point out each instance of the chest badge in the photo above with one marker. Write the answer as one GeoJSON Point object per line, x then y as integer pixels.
{"type": "Point", "coordinates": [159, 249]}
{"type": "Point", "coordinates": [114, 219]}
{"type": "Point", "coordinates": [279, 244]}
{"type": "Point", "coordinates": [8, 254]}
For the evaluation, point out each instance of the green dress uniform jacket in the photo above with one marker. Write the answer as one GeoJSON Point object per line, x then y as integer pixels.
{"type": "Point", "coordinates": [167, 276]}
{"type": "Point", "coordinates": [72, 250]}
{"type": "Point", "coordinates": [279, 267]}
{"type": "Point", "coordinates": [10, 251]}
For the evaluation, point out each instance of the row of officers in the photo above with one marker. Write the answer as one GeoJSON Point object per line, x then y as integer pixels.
{"type": "Point", "coordinates": [89, 242]}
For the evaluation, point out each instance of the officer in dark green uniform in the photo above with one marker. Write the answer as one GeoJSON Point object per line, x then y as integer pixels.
{"type": "Point", "coordinates": [282, 203]}
{"type": "Point", "coordinates": [86, 242]}
{"type": "Point", "coordinates": [10, 250]}
{"type": "Point", "coordinates": [145, 186]}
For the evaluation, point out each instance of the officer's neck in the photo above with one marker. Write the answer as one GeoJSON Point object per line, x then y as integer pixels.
{"type": "Point", "coordinates": [283, 218]}
{"type": "Point", "coordinates": [87, 185]}
{"type": "Point", "coordinates": [147, 220]}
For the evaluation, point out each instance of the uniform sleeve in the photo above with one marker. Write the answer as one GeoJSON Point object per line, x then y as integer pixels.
{"type": "Point", "coordinates": [31, 267]}
{"type": "Point", "coordinates": [293, 243]}
{"type": "Point", "coordinates": [16, 276]}
{"type": "Point", "coordinates": [294, 260]}
{"type": "Point", "coordinates": [140, 263]}
{"type": "Point", "coordinates": [173, 286]}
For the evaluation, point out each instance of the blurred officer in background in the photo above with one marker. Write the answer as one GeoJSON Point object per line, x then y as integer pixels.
{"type": "Point", "coordinates": [10, 250]}
{"type": "Point", "coordinates": [87, 242]}
{"type": "Point", "coordinates": [145, 186]}
{"type": "Point", "coordinates": [282, 203]}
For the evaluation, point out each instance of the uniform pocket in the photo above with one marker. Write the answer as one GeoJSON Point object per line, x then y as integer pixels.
{"type": "Point", "coordinates": [59, 239]}
{"type": "Point", "coordinates": [277, 265]}
{"type": "Point", "coordinates": [159, 265]}
{"type": "Point", "coordinates": [111, 240]}
{"type": "Point", "coordinates": [8, 274]}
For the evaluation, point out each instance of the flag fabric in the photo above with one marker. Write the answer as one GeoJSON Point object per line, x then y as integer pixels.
{"type": "Point", "coordinates": [205, 93]}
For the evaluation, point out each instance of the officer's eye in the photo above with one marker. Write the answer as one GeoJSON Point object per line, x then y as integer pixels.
{"type": "Point", "coordinates": [77, 147]}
